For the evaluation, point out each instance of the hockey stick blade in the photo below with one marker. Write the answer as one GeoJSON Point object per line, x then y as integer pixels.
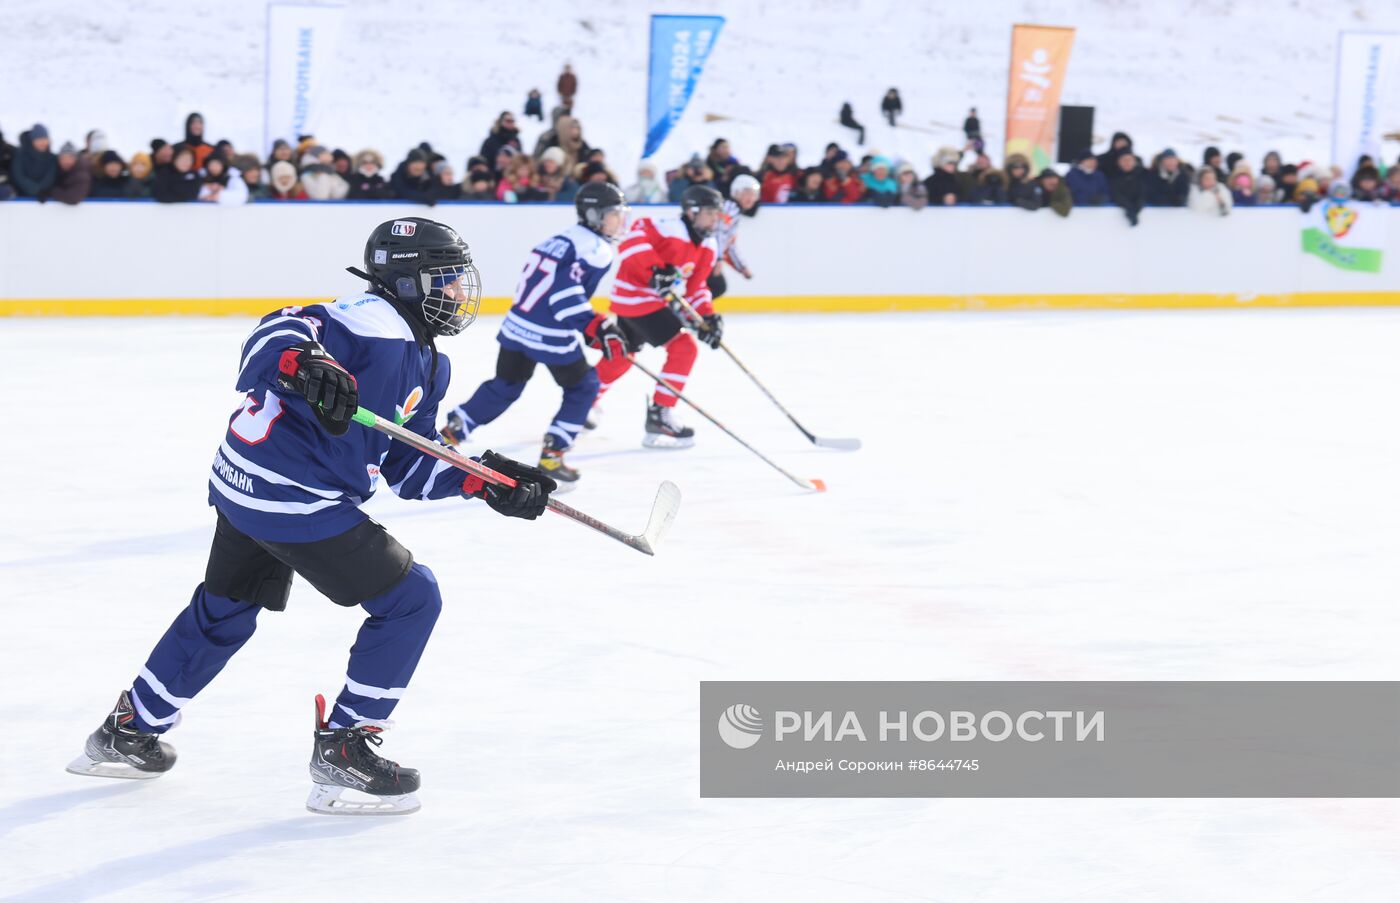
{"type": "Point", "coordinates": [842, 444]}
{"type": "Point", "coordinates": [663, 511]}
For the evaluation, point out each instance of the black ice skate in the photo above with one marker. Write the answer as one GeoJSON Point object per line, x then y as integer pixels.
{"type": "Point", "coordinates": [350, 778]}
{"type": "Point", "coordinates": [119, 750]}
{"type": "Point", "coordinates": [664, 431]}
{"type": "Point", "coordinates": [595, 417]}
{"type": "Point", "coordinates": [455, 431]}
{"type": "Point", "coordinates": [552, 462]}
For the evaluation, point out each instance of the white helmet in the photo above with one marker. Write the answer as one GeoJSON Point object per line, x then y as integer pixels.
{"type": "Point", "coordinates": [742, 182]}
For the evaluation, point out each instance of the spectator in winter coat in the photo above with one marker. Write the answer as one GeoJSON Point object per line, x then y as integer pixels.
{"type": "Point", "coordinates": [179, 182]}
{"type": "Point", "coordinates": [143, 177]}
{"type": "Point", "coordinates": [779, 177]}
{"type": "Point", "coordinates": [483, 187]}
{"type": "Point", "coordinates": [445, 187]}
{"type": "Point", "coordinates": [1168, 184]}
{"type": "Point", "coordinates": [553, 181]}
{"type": "Point", "coordinates": [647, 189]}
{"type": "Point", "coordinates": [1048, 190]}
{"type": "Point", "coordinates": [972, 127]}
{"type": "Point", "coordinates": [596, 155]}
{"type": "Point", "coordinates": [35, 167]}
{"type": "Point", "coordinates": [162, 154]}
{"type": "Point", "coordinates": [366, 180]}
{"type": "Point", "coordinates": [281, 150]}
{"type": "Point", "coordinates": [695, 172]}
{"type": "Point", "coordinates": [94, 146]}
{"type": "Point", "coordinates": [1208, 195]}
{"type": "Point", "coordinates": [412, 181]}
{"type": "Point", "coordinates": [809, 188]}
{"type": "Point", "coordinates": [222, 185]}
{"type": "Point", "coordinates": [518, 182]}
{"type": "Point", "coordinates": [942, 184]}
{"type": "Point", "coordinates": [74, 177]}
{"type": "Point", "coordinates": [968, 178]}
{"type": "Point", "coordinates": [1271, 166]}
{"type": "Point", "coordinates": [1287, 183]}
{"type": "Point", "coordinates": [912, 193]}
{"type": "Point", "coordinates": [534, 104]}
{"type": "Point", "coordinates": [991, 188]}
{"type": "Point", "coordinates": [7, 159]}
{"type": "Point", "coordinates": [828, 164]}
{"type": "Point", "coordinates": [1019, 187]}
{"type": "Point", "coordinates": [891, 106]}
{"type": "Point", "coordinates": [503, 134]}
{"type": "Point", "coordinates": [1366, 184]}
{"type": "Point", "coordinates": [1242, 188]}
{"type": "Point", "coordinates": [321, 183]}
{"type": "Point", "coordinates": [342, 164]}
{"type": "Point", "coordinates": [1213, 159]}
{"type": "Point", "coordinates": [251, 175]}
{"type": "Point", "coordinates": [1266, 193]}
{"type": "Point", "coordinates": [194, 139]}
{"type": "Point", "coordinates": [1108, 160]}
{"type": "Point", "coordinates": [567, 85]}
{"type": "Point", "coordinates": [1087, 186]}
{"type": "Point", "coordinates": [720, 157]}
{"type": "Point", "coordinates": [111, 180]}
{"type": "Point", "coordinates": [1129, 189]}
{"type": "Point", "coordinates": [848, 119]}
{"type": "Point", "coordinates": [284, 185]}
{"type": "Point", "coordinates": [1390, 191]}
{"type": "Point", "coordinates": [845, 187]}
{"type": "Point", "coordinates": [880, 187]}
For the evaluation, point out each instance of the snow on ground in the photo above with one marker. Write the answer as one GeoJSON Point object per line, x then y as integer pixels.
{"type": "Point", "coordinates": [1248, 75]}
{"type": "Point", "coordinates": [1063, 496]}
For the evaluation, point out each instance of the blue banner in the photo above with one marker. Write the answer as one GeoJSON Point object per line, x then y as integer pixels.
{"type": "Point", "coordinates": [679, 47]}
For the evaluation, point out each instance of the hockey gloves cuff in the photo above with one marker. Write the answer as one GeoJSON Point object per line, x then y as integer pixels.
{"type": "Point", "coordinates": [527, 499]}
{"type": "Point", "coordinates": [713, 331]}
{"type": "Point", "coordinates": [334, 396]}
{"type": "Point", "coordinates": [604, 334]}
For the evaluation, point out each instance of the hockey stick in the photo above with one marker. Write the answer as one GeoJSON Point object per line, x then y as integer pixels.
{"type": "Point", "coordinates": [813, 485]}
{"type": "Point", "coordinates": [663, 510]}
{"type": "Point", "coordinates": [697, 322]}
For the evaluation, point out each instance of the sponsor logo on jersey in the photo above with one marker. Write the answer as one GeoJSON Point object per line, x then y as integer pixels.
{"type": "Point", "coordinates": [232, 475]}
{"type": "Point", "coordinates": [401, 227]}
{"type": "Point", "coordinates": [373, 471]}
{"type": "Point", "coordinates": [688, 268]}
{"type": "Point", "coordinates": [404, 411]}
{"type": "Point", "coordinates": [576, 272]}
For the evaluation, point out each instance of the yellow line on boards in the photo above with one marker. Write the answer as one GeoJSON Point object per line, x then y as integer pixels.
{"type": "Point", "coordinates": [143, 307]}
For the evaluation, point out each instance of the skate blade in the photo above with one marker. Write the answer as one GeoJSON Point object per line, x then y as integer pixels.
{"type": "Point", "coordinates": [88, 768]}
{"type": "Point", "coordinates": [331, 799]}
{"type": "Point", "coordinates": [657, 440]}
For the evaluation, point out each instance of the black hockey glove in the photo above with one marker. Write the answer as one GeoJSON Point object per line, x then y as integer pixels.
{"type": "Point", "coordinates": [605, 335]}
{"type": "Point", "coordinates": [332, 392]}
{"type": "Point", "coordinates": [713, 330]}
{"type": "Point", "coordinates": [527, 499]}
{"type": "Point", "coordinates": [664, 279]}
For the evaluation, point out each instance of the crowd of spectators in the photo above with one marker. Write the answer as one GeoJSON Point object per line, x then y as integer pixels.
{"type": "Point", "coordinates": [193, 169]}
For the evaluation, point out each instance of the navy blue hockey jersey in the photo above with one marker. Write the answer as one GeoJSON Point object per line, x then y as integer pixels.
{"type": "Point", "coordinates": [279, 475]}
{"type": "Point", "coordinates": [551, 300]}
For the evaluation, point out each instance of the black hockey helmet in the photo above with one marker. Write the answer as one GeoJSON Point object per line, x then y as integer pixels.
{"type": "Point", "coordinates": [697, 198]}
{"type": "Point", "coordinates": [594, 200]}
{"type": "Point", "coordinates": [428, 269]}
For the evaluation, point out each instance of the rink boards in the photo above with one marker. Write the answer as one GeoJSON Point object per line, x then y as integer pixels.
{"type": "Point", "coordinates": [115, 259]}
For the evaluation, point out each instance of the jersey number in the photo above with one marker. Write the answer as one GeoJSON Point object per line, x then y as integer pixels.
{"type": "Point", "coordinates": [546, 267]}
{"type": "Point", "coordinates": [254, 420]}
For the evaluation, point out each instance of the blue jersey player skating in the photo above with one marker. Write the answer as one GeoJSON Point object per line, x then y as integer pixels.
{"type": "Point", "coordinates": [544, 324]}
{"type": "Point", "coordinates": [287, 483]}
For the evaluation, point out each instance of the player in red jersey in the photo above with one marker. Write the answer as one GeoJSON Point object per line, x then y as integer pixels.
{"type": "Point", "coordinates": [660, 258]}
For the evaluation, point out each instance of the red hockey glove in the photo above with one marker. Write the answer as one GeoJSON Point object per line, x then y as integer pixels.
{"type": "Point", "coordinates": [605, 335]}
{"type": "Point", "coordinates": [334, 396]}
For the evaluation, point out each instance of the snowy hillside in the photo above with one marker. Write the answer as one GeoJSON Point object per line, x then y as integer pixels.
{"type": "Point", "coordinates": [1248, 75]}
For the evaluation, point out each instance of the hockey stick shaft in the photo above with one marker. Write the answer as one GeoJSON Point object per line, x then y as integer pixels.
{"type": "Point", "coordinates": [642, 543]}
{"type": "Point", "coordinates": [814, 485]}
{"type": "Point", "coordinates": [698, 322]}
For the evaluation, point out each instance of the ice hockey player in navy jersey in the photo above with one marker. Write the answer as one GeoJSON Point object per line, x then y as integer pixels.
{"type": "Point", "coordinates": [287, 484]}
{"type": "Point", "coordinates": [544, 324]}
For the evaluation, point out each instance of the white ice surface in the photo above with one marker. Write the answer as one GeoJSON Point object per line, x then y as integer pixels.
{"type": "Point", "coordinates": [1063, 496]}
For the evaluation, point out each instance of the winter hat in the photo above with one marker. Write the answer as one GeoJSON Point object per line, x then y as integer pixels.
{"type": "Point", "coordinates": [901, 169]}
{"type": "Point", "coordinates": [1083, 155]}
{"type": "Point", "coordinates": [695, 161]}
{"type": "Point", "coordinates": [157, 144]}
{"type": "Point", "coordinates": [68, 148]}
{"type": "Point", "coordinates": [1339, 190]}
{"type": "Point", "coordinates": [1047, 173]}
{"type": "Point", "coordinates": [1168, 152]}
{"type": "Point", "coordinates": [1210, 152]}
{"type": "Point", "coordinates": [417, 156]}
{"type": "Point", "coordinates": [1232, 158]}
{"type": "Point", "coordinates": [945, 156]}
{"type": "Point", "coordinates": [38, 132]}
{"type": "Point", "coordinates": [644, 168]}
{"type": "Point", "coordinates": [246, 163]}
{"type": "Point", "coordinates": [339, 154]}
{"type": "Point", "coordinates": [1265, 183]}
{"type": "Point", "coordinates": [282, 171]}
{"type": "Point", "coordinates": [438, 167]}
{"type": "Point", "coordinates": [97, 141]}
{"type": "Point", "coordinates": [556, 154]}
{"type": "Point", "coordinates": [592, 170]}
{"type": "Point", "coordinates": [142, 158]}
{"type": "Point", "coordinates": [109, 156]}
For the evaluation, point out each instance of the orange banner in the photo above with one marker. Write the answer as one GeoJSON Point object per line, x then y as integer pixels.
{"type": "Point", "coordinates": [1039, 61]}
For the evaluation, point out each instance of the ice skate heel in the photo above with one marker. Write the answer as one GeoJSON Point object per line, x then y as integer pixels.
{"type": "Point", "coordinates": [349, 778]}
{"type": "Point", "coordinates": [664, 431]}
{"type": "Point", "coordinates": [552, 463]}
{"type": "Point", "coordinates": [119, 750]}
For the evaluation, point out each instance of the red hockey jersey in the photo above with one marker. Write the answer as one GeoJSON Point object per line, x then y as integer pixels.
{"type": "Point", "coordinates": [656, 243]}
